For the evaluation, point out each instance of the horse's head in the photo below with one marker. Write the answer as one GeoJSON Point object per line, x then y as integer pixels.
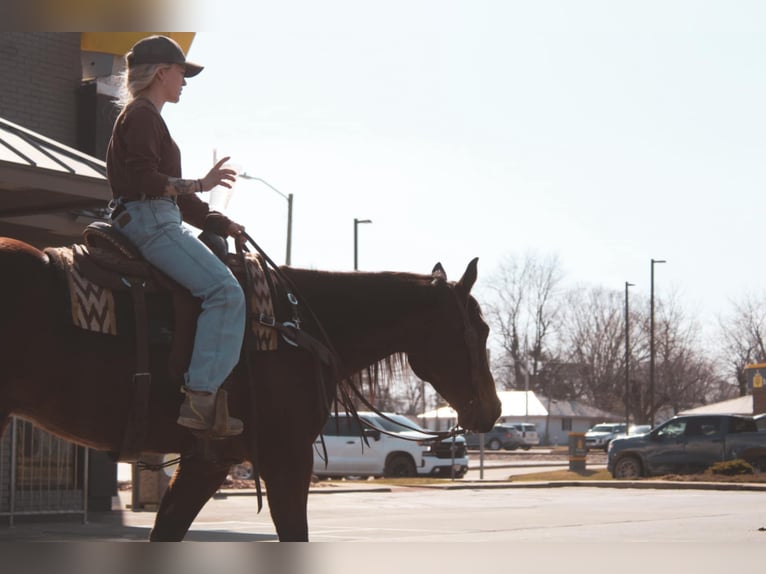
{"type": "Point", "coordinates": [450, 353]}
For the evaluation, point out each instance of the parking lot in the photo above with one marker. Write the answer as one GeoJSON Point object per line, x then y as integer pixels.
{"type": "Point", "coordinates": [540, 525]}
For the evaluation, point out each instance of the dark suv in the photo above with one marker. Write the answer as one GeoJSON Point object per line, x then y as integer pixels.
{"type": "Point", "coordinates": [501, 436]}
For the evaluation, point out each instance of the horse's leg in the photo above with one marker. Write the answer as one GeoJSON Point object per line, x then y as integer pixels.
{"type": "Point", "coordinates": [287, 489]}
{"type": "Point", "coordinates": [192, 485]}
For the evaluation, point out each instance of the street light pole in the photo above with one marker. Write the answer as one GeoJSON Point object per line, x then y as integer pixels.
{"type": "Point", "coordinates": [651, 343]}
{"type": "Point", "coordinates": [627, 358]}
{"type": "Point", "coordinates": [289, 198]}
{"type": "Point", "coordinates": [356, 240]}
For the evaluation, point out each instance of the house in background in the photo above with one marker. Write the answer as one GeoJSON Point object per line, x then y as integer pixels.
{"type": "Point", "coordinates": [737, 406]}
{"type": "Point", "coordinates": [553, 418]}
{"type": "Point", "coordinates": [567, 416]}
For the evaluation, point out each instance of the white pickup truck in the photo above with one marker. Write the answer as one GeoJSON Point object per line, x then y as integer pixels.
{"type": "Point", "coordinates": [404, 453]}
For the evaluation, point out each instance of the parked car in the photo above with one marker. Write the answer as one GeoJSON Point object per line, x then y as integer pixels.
{"type": "Point", "coordinates": [688, 444]}
{"type": "Point", "coordinates": [635, 430]}
{"type": "Point", "coordinates": [528, 432]}
{"type": "Point", "coordinates": [760, 421]}
{"type": "Point", "coordinates": [600, 435]}
{"type": "Point", "coordinates": [502, 436]}
{"type": "Point", "coordinates": [354, 449]}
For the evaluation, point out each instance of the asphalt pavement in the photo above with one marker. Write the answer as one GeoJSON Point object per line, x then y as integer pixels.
{"type": "Point", "coordinates": [374, 526]}
{"type": "Point", "coordinates": [231, 515]}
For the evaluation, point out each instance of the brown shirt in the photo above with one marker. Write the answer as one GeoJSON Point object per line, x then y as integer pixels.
{"type": "Point", "coordinates": [142, 156]}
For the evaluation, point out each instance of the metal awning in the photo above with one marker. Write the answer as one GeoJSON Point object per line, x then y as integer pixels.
{"type": "Point", "coordinates": [48, 192]}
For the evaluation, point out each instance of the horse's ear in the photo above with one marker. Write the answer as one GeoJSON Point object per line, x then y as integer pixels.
{"type": "Point", "coordinates": [469, 277]}
{"type": "Point", "coordinates": [439, 274]}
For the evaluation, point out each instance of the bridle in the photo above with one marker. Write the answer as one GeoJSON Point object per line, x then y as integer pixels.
{"type": "Point", "coordinates": [471, 338]}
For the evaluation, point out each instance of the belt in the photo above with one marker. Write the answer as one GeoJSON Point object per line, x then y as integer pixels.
{"type": "Point", "coordinates": [121, 201]}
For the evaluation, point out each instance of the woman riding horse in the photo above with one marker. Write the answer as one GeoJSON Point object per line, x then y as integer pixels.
{"type": "Point", "coordinates": [150, 203]}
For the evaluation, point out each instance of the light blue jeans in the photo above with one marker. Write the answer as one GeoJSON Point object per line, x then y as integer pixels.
{"type": "Point", "coordinates": [154, 226]}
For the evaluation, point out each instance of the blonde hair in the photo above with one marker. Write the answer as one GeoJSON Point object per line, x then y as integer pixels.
{"type": "Point", "coordinates": [136, 80]}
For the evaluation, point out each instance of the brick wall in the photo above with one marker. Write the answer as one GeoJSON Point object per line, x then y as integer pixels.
{"type": "Point", "coordinates": [40, 75]}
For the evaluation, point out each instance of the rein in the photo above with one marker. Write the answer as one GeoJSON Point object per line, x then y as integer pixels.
{"type": "Point", "coordinates": [292, 333]}
{"type": "Point", "coordinates": [430, 435]}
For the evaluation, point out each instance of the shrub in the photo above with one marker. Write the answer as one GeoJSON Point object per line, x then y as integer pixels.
{"type": "Point", "coordinates": [731, 468]}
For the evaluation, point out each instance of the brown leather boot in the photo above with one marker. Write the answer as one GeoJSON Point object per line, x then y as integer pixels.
{"type": "Point", "coordinates": [204, 411]}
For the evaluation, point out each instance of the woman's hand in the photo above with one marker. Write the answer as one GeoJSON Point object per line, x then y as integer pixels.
{"type": "Point", "coordinates": [236, 231]}
{"type": "Point", "coordinates": [218, 175]}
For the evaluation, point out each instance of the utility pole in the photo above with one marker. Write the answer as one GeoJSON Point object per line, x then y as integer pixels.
{"type": "Point", "coordinates": [651, 343]}
{"type": "Point", "coordinates": [627, 358]}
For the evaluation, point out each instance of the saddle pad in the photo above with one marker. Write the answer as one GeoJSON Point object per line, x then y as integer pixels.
{"type": "Point", "coordinates": [261, 304]}
{"type": "Point", "coordinates": [92, 306]}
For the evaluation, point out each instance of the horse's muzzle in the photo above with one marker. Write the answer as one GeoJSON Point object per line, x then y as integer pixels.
{"type": "Point", "coordinates": [480, 415]}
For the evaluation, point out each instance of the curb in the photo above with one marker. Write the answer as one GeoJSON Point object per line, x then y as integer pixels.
{"type": "Point", "coordinates": [225, 493]}
{"type": "Point", "coordinates": [522, 464]}
{"type": "Point", "coordinates": [637, 484]}
{"type": "Point", "coordinates": [495, 485]}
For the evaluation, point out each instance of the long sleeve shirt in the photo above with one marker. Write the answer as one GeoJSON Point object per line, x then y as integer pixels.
{"type": "Point", "coordinates": [142, 156]}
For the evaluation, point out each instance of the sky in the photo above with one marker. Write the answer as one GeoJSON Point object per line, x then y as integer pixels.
{"type": "Point", "coordinates": [605, 132]}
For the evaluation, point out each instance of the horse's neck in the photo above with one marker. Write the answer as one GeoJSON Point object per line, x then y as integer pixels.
{"type": "Point", "coordinates": [367, 316]}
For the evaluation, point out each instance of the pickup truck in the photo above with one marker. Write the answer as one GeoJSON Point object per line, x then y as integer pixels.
{"type": "Point", "coordinates": [405, 450]}
{"type": "Point", "coordinates": [688, 444]}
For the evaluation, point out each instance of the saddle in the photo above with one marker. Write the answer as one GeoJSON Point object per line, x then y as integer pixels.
{"type": "Point", "coordinates": [108, 264]}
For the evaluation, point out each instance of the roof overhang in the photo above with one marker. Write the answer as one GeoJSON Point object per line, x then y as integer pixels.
{"type": "Point", "coordinates": [48, 192]}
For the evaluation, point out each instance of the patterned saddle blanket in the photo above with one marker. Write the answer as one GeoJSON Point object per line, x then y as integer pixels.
{"type": "Point", "coordinates": [100, 274]}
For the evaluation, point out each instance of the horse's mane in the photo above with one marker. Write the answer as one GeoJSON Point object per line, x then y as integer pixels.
{"type": "Point", "coordinates": [386, 370]}
{"type": "Point", "coordinates": [398, 289]}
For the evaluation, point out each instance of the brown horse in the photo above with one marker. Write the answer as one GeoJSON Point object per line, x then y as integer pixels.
{"type": "Point", "coordinates": [73, 382]}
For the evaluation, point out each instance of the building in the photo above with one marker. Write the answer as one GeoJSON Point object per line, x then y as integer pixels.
{"type": "Point", "coordinates": [568, 416]}
{"type": "Point", "coordinates": [554, 419]}
{"type": "Point", "coordinates": [737, 406]}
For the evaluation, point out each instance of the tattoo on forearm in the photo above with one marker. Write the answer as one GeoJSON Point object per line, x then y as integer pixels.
{"type": "Point", "coordinates": [177, 186]}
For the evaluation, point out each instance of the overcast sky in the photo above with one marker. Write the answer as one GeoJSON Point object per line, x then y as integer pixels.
{"type": "Point", "coordinates": [605, 132]}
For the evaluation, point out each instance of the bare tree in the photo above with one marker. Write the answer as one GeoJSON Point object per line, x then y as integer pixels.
{"type": "Point", "coordinates": [742, 336]}
{"type": "Point", "coordinates": [594, 338]}
{"type": "Point", "coordinates": [685, 375]}
{"type": "Point", "coordinates": [524, 316]}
